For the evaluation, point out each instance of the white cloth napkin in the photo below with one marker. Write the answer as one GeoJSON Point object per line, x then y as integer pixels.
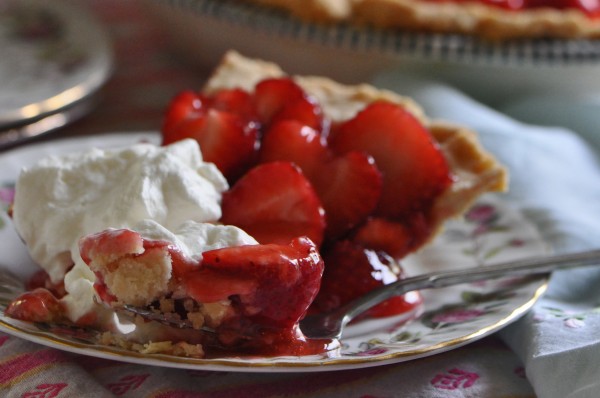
{"type": "Point", "coordinates": [555, 180]}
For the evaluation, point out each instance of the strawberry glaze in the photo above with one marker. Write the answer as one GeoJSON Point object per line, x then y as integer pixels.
{"type": "Point", "coordinates": [589, 7]}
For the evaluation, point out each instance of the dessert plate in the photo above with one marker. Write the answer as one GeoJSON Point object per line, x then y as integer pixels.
{"type": "Point", "coordinates": [54, 55]}
{"type": "Point", "coordinates": [492, 231]}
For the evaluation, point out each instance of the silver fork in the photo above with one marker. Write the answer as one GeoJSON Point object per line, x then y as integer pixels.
{"type": "Point", "coordinates": [331, 325]}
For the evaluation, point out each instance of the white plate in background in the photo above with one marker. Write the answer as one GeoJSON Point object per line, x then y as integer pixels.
{"type": "Point", "coordinates": [54, 55]}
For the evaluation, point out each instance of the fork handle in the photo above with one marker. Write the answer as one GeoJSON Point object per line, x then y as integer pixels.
{"type": "Point", "coordinates": [533, 266]}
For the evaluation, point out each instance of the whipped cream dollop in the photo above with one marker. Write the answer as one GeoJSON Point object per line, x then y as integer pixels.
{"type": "Point", "coordinates": [166, 193]}
{"type": "Point", "coordinates": [193, 238]}
{"type": "Point", "coordinates": [62, 198]}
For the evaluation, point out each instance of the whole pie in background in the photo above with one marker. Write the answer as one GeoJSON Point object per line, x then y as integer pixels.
{"type": "Point", "coordinates": [490, 19]}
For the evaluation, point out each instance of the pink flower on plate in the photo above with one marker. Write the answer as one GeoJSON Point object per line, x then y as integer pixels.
{"type": "Point", "coordinates": [574, 323]}
{"type": "Point", "coordinates": [516, 242]}
{"type": "Point", "coordinates": [7, 195]}
{"type": "Point", "coordinates": [454, 379]}
{"type": "Point", "coordinates": [481, 214]}
{"type": "Point", "coordinates": [373, 351]}
{"type": "Point", "coordinates": [457, 316]}
{"type": "Point", "coordinates": [540, 317]}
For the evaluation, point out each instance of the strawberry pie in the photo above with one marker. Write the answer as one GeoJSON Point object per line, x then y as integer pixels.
{"type": "Point", "coordinates": [491, 19]}
{"type": "Point", "coordinates": [271, 196]}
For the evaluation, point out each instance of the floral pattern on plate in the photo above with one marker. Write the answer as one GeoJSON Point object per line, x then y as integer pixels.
{"type": "Point", "coordinates": [492, 231]}
{"type": "Point", "coordinates": [7, 193]}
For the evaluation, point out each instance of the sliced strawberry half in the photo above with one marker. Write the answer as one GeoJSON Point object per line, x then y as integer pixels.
{"type": "Point", "coordinates": [352, 271]}
{"type": "Point", "coordinates": [293, 141]}
{"type": "Point", "coordinates": [228, 139]}
{"type": "Point", "coordinates": [396, 238]}
{"type": "Point", "coordinates": [236, 101]}
{"type": "Point", "coordinates": [414, 170]}
{"type": "Point", "coordinates": [277, 282]}
{"type": "Point", "coordinates": [280, 99]}
{"type": "Point", "coordinates": [185, 105]}
{"type": "Point", "coordinates": [274, 202]}
{"type": "Point", "coordinates": [348, 186]}
{"type": "Point", "coordinates": [304, 110]}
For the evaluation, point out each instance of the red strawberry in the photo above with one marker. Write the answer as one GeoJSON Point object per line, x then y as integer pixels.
{"type": "Point", "coordinates": [227, 139]}
{"type": "Point", "coordinates": [348, 186]}
{"type": "Point", "coordinates": [590, 7]}
{"type": "Point", "coordinates": [224, 138]}
{"type": "Point", "coordinates": [395, 238]}
{"type": "Point", "coordinates": [280, 99]}
{"type": "Point", "coordinates": [38, 305]}
{"type": "Point", "coordinates": [185, 105]}
{"type": "Point", "coordinates": [274, 202]}
{"type": "Point", "coordinates": [396, 305]}
{"type": "Point", "coordinates": [304, 110]}
{"type": "Point", "coordinates": [234, 100]}
{"type": "Point", "coordinates": [292, 141]}
{"type": "Point", "coordinates": [414, 170]}
{"type": "Point", "coordinates": [278, 282]}
{"type": "Point", "coordinates": [42, 279]}
{"type": "Point", "coordinates": [352, 271]}
{"type": "Point", "coordinates": [207, 286]}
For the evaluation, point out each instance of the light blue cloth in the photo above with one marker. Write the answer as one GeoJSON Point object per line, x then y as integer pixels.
{"type": "Point", "coordinates": [555, 180]}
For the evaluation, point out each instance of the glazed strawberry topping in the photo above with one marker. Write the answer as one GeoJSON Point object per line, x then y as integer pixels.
{"type": "Point", "coordinates": [349, 185]}
{"type": "Point", "coordinates": [276, 284]}
{"type": "Point", "coordinates": [589, 7]}
{"type": "Point", "coordinates": [351, 271]}
{"type": "Point", "coordinates": [381, 234]}
{"type": "Point", "coordinates": [285, 279]}
{"type": "Point", "coordinates": [38, 305]}
{"type": "Point", "coordinates": [228, 139]}
{"type": "Point", "coordinates": [282, 99]}
{"type": "Point", "coordinates": [414, 171]}
{"type": "Point", "coordinates": [375, 176]}
{"type": "Point", "coordinates": [274, 203]}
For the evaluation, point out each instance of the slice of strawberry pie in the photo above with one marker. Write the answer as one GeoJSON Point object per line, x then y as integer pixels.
{"type": "Point", "coordinates": [249, 297]}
